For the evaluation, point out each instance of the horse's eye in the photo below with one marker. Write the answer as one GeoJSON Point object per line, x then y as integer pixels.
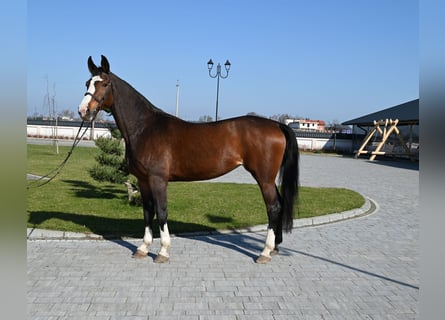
{"type": "Point", "coordinates": [87, 84]}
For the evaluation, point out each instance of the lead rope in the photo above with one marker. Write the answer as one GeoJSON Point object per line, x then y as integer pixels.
{"type": "Point", "coordinates": [48, 178]}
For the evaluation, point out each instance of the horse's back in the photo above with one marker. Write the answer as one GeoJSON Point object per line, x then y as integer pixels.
{"type": "Point", "coordinates": [235, 134]}
{"type": "Point", "coordinates": [207, 150]}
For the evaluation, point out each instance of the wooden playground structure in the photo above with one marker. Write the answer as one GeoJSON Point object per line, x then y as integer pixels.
{"type": "Point", "coordinates": [382, 131]}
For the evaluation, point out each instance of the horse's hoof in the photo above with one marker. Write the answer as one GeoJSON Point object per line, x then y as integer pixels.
{"type": "Point", "coordinates": [263, 259]}
{"type": "Point", "coordinates": [139, 254]}
{"type": "Point", "coordinates": [161, 259]}
{"type": "Point", "coordinates": [274, 252]}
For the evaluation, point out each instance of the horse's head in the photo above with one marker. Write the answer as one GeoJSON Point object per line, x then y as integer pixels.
{"type": "Point", "coordinates": [99, 92]}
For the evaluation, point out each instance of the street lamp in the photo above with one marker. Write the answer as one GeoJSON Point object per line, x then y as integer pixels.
{"type": "Point", "coordinates": [177, 99]}
{"type": "Point", "coordinates": [218, 75]}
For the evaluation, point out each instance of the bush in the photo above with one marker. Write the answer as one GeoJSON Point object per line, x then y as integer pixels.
{"type": "Point", "coordinates": [111, 165]}
{"type": "Point", "coordinates": [107, 174]}
{"type": "Point", "coordinates": [110, 146]}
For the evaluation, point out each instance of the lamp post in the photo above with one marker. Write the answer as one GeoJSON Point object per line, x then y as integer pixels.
{"type": "Point", "coordinates": [177, 99]}
{"type": "Point", "coordinates": [218, 75]}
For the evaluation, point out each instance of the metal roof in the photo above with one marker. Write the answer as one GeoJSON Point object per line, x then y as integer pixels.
{"type": "Point", "coordinates": [407, 113]}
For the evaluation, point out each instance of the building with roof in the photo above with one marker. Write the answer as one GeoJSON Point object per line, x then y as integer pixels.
{"type": "Point", "coordinates": [392, 131]}
{"type": "Point", "coordinates": [306, 124]}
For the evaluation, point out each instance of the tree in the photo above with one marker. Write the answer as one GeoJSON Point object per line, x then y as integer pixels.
{"type": "Point", "coordinates": [206, 118]}
{"type": "Point", "coordinates": [252, 113]}
{"type": "Point", "coordinates": [281, 117]}
{"type": "Point", "coordinates": [111, 165]}
{"type": "Point", "coordinates": [67, 114]}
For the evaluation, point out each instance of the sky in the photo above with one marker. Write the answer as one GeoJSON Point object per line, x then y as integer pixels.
{"type": "Point", "coordinates": [325, 60]}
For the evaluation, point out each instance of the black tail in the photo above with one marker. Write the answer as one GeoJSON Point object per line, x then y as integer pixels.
{"type": "Point", "coordinates": [289, 178]}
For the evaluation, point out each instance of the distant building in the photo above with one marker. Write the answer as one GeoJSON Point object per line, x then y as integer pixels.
{"type": "Point", "coordinates": [306, 124]}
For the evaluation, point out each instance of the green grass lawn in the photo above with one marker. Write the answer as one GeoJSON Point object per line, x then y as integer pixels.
{"type": "Point", "coordinates": [73, 201]}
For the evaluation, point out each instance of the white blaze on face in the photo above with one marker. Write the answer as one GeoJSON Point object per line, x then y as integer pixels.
{"type": "Point", "coordinates": [86, 100]}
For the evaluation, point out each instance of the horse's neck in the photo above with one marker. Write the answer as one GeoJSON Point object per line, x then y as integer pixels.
{"type": "Point", "coordinates": [132, 112]}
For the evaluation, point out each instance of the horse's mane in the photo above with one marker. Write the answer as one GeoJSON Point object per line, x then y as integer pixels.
{"type": "Point", "coordinates": [124, 87]}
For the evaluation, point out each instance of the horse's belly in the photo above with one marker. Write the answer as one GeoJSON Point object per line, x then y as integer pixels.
{"type": "Point", "coordinates": [203, 170]}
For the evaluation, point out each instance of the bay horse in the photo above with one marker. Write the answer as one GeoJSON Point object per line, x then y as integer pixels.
{"type": "Point", "coordinates": [160, 148]}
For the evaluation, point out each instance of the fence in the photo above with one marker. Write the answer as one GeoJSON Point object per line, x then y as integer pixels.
{"type": "Point", "coordinates": [320, 141]}
{"type": "Point", "coordinates": [311, 141]}
{"type": "Point", "coordinates": [65, 129]}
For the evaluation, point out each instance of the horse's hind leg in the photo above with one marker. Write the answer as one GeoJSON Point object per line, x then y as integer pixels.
{"type": "Point", "coordinates": [274, 229]}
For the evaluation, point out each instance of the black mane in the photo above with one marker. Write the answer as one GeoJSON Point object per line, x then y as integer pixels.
{"type": "Point", "coordinates": [125, 86]}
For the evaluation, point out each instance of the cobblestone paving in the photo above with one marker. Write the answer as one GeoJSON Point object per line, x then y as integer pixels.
{"type": "Point", "coordinates": [364, 268]}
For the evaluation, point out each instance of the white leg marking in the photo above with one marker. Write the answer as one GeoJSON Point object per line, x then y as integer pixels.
{"type": "Point", "coordinates": [165, 241]}
{"type": "Point", "coordinates": [270, 243]}
{"type": "Point", "coordinates": [148, 239]}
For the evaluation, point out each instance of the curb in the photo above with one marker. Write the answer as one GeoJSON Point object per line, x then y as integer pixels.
{"type": "Point", "coordinates": [369, 207]}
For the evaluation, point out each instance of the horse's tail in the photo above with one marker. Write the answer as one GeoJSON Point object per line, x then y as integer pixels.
{"type": "Point", "coordinates": [289, 178]}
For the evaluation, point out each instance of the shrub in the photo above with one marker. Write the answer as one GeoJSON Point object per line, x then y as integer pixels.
{"type": "Point", "coordinates": [111, 165]}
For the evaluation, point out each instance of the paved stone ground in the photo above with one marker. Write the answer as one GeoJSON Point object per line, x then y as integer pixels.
{"type": "Point", "coordinates": [364, 268]}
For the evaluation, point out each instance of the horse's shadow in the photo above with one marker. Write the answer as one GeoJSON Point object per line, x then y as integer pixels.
{"type": "Point", "coordinates": [118, 230]}
{"type": "Point", "coordinates": [243, 243]}
{"type": "Point", "coordinates": [122, 229]}
{"type": "Point", "coordinates": [238, 242]}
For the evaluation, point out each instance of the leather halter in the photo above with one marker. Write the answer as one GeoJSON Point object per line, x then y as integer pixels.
{"type": "Point", "coordinates": [101, 100]}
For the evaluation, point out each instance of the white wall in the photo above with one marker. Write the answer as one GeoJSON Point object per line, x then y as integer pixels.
{"type": "Point", "coordinates": [39, 131]}
{"type": "Point", "coordinates": [315, 144]}
{"type": "Point", "coordinates": [304, 143]}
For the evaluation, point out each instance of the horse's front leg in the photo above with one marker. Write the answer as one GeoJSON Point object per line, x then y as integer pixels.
{"type": "Point", "coordinates": [163, 255]}
{"type": "Point", "coordinates": [149, 211]}
{"type": "Point", "coordinates": [159, 187]}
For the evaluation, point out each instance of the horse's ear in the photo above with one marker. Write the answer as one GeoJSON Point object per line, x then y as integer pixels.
{"type": "Point", "coordinates": [105, 64]}
{"type": "Point", "coordinates": [91, 66]}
